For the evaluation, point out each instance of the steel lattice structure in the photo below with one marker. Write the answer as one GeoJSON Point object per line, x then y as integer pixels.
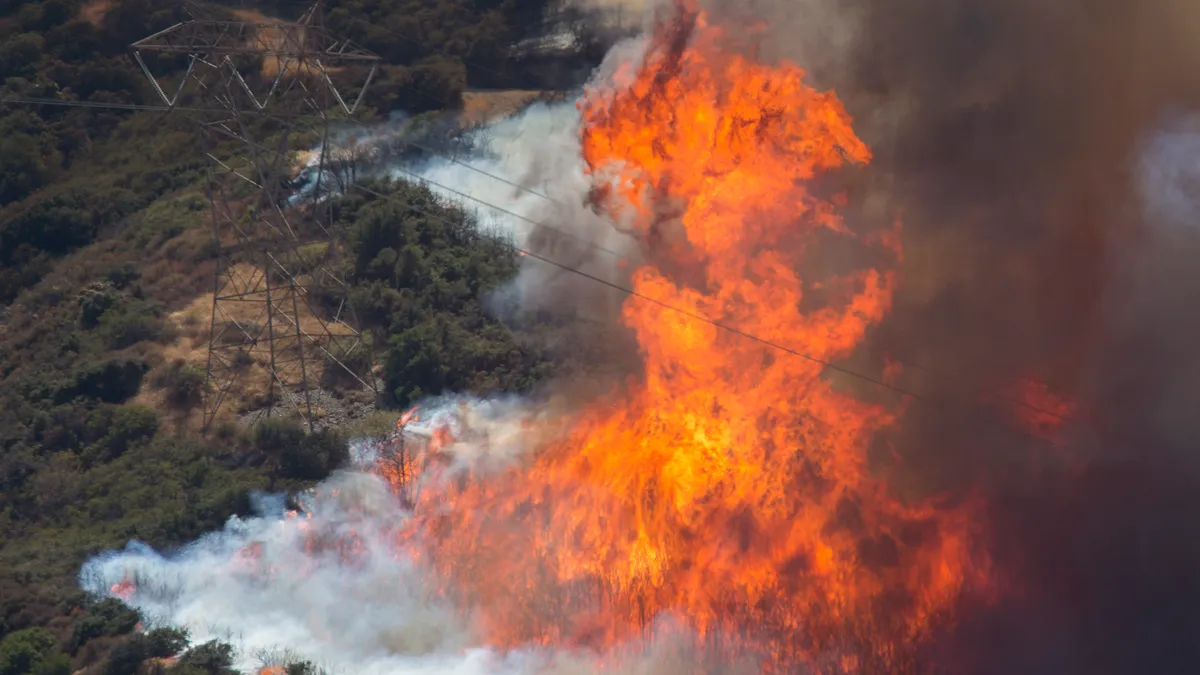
{"type": "Point", "coordinates": [265, 82]}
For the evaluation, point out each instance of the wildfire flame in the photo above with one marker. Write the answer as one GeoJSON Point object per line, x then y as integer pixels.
{"type": "Point", "coordinates": [124, 589]}
{"type": "Point", "coordinates": [730, 486]}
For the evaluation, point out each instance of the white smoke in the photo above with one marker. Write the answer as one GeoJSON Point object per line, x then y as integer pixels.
{"type": "Point", "coordinates": [528, 164]}
{"type": "Point", "coordinates": [332, 583]}
{"type": "Point", "coordinates": [1151, 281]}
{"type": "Point", "coordinates": [1170, 174]}
{"type": "Point", "coordinates": [255, 581]}
{"type": "Point", "coordinates": [528, 180]}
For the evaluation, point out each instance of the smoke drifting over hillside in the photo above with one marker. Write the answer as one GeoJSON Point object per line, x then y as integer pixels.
{"type": "Point", "coordinates": [334, 583]}
{"type": "Point", "coordinates": [1044, 160]}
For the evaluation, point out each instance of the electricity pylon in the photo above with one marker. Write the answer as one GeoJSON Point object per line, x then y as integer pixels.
{"type": "Point", "coordinates": [277, 300]}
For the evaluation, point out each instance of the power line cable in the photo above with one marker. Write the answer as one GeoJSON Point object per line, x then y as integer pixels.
{"type": "Point", "coordinates": [537, 193]}
{"type": "Point", "coordinates": [544, 224]}
{"type": "Point", "coordinates": [464, 195]}
{"type": "Point", "coordinates": [883, 384]}
{"type": "Point", "coordinates": [536, 223]}
{"type": "Point", "coordinates": [414, 176]}
{"type": "Point", "coordinates": [944, 376]}
{"type": "Point", "coordinates": [32, 100]}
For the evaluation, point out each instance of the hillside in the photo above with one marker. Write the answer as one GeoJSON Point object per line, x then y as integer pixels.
{"type": "Point", "coordinates": [106, 269]}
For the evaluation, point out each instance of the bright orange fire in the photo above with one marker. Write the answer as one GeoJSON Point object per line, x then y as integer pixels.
{"type": "Point", "coordinates": [730, 486]}
{"type": "Point", "coordinates": [124, 589]}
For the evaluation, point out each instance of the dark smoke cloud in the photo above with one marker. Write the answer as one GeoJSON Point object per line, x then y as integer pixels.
{"type": "Point", "coordinates": [1048, 175]}
{"type": "Point", "coordinates": [1008, 131]}
{"type": "Point", "coordinates": [1043, 160]}
{"type": "Point", "coordinates": [1052, 229]}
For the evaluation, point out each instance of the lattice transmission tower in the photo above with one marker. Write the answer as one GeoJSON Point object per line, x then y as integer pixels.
{"type": "Point", "coordinates": [279, 305]}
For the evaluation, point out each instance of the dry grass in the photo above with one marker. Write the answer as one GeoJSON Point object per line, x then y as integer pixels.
{"type": "Point", "coordinates": [94, 12]}
{"type": "Point", "coordinates": [273, 38]}
{"type": "Point", "coordinates": [191, 326]}
{"type": "Point", "coordinates": [485, 106]}
{"type": "Point", "coordinates": [255, 16]}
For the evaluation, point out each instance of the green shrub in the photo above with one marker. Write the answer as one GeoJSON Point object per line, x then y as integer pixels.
{"type": "Point", "coordinates": [419, 278]}
{"type": "Point", "coordinates": [19, 55]}
{"type": "Point", "coordinates": [28, 651]}
{"type": "Point", "coordinates": [127, 656]}
{"type": "Point", "coordinates": [104, 618]}
{"type": "Point", "coordinates": [201, 514]}
{"type": "Point", "coordinates": [302, 668]}
{"type": "Point", "coordinates": [166, 642]}
{"type": "Point", "coordinates": [25, 166]}
{"type": "Point", "coordinates": [123, 275]}
{"type": "Point", "coordinates": [129, 323]}
{"type": "Point", "coordinates": [433, 84]}
{"type": "Point", "coordinates": [54, 663]}
{"type": "Point", "coordinates": [168, 218]}
{"type": "Point", "coordinates": [130, 425]}
{"type": "Point", "coordinates": [182, 382]}
{"type": "Point", "coordinates": [213, 658]}
{"type": "Point", "coordinates": [113, 381]}
{"type": "Point", "coordinates": [296, 454]}
{"type": "Point", "coordinates": [93, 303]}
{"type": "Point", "coordinates": [273, 435]}
{"type": "Point", "coordinates": [315, 457]}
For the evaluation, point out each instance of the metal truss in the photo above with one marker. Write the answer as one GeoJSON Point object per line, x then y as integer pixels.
{"type": "Point", "coordinates": [277, 298]}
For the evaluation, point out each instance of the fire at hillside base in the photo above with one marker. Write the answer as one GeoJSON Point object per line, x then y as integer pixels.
{"type": "Point", "coordinates": [727, 509]}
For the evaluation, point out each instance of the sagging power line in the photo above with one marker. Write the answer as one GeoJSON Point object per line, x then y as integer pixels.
{"type": "Point", "coordinates": [880, 383]}
{"type": "Point", "coordinates": [546, 260]}
{"type": "Point", "coordinates": [550, 226]}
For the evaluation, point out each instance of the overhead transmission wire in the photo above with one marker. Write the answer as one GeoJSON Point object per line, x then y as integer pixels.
{"type": "Point", "coordinates": [998, 394]}
{"type": "Point", "coordinates": [411, 174]}
{"type": "Point", "coordinates": [536, 223]}
{"type": "Point", "coordinates": [33, 100]}
{"type": "Point", "coordinates": [416, 177]}
{"type": "Point", "coordinates": [1060, 417]}
{"type": "Point", "coordinates": [523, 188]}
{"type": "Point", "coordinates": [542, 223]}
{"type": "Point", "coordinates": [881, 383]}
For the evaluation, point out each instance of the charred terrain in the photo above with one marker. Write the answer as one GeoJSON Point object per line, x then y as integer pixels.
{"type": "Point", "coordinates": [808, 337]}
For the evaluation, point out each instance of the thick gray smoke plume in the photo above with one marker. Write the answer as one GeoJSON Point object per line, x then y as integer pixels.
{"type": "Point", "coordinates": [335, 584]}
{"type": "Point", "coordinates": [1046, 221]}
{"type": "Point", "coordinates": [528, 179]}
{"type": "Point", "coordinates": [1155, 275]}
{"type": "Point", "coordinates": [331, 586]}
{"type": "Point", "coordinates": [529, 182]}
{"type": "Point", "coordinates": [1049, 224]}
{"type": "Point", "coordinates": [1051, 229]}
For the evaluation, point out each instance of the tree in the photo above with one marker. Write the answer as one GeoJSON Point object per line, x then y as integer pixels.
{"type": "Point", "coordinates": [107, 617]}
{"type": "Point", "coordinates": [294, 454]}
{"type": "Point", "coordinates": [24, 167]}
{"type": "Point", "coordinates": [131, 424]}
{"type": "Point", "coordinates": [128, 656]}
{"type": "Point", "coordinates": [182, 382]}
{"type": "Point", "coordinates": [212, 657]}
{"type": "Point", "coordinates": [113, 381]}
{"type": "Point", "coordinates": [32, 651]}
{"type": "Point", "coordinates": [20, 55]}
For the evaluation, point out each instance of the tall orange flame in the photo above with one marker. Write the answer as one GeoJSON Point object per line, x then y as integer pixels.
{"type": "Point", "coordinates": [730, 485]}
